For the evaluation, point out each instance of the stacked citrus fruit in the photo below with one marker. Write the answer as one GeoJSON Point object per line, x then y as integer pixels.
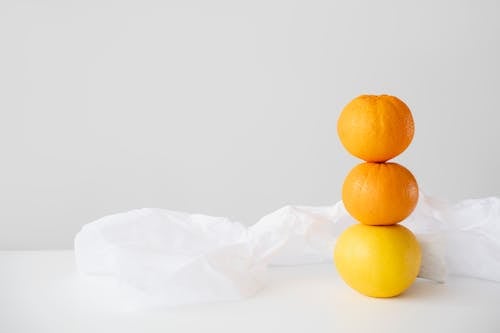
{"type": "Point", "coordinates": [378, 257]}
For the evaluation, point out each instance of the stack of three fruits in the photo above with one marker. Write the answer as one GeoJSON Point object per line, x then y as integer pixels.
{"type": "Point", "coordinates": [378, 257]}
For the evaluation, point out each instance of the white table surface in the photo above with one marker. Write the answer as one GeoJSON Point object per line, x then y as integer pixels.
{"type": "Point", "coordinates": [42, 292]}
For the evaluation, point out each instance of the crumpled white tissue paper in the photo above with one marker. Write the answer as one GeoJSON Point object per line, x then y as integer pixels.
{"type": "Point", "coordinates": [172, 258]}
{"type": "Point", "coordinates": [468, 233]}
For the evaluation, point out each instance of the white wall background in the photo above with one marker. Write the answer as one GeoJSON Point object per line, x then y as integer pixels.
{"type": "Point", "coordinates": [229, 107]}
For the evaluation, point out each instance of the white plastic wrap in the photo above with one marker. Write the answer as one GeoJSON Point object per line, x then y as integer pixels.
{"type": "Point", "coordinates": [174, 258]}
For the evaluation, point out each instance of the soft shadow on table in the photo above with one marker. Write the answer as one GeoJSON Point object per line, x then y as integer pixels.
{"type": "Point", "coordinates": [423, 288]}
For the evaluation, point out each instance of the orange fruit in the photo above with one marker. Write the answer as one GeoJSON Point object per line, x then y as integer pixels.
{"type": "Point", "coordinates": [378, 261]}
{"type": "Point", "coordinates": [375, 128]}
{"type": "Point", "coordinates": [380, 193]}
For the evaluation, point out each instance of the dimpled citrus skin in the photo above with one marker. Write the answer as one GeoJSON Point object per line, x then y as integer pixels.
{"type": "Point", "coordinates": [380, 193]}
{"type": "Point", "coordinates": [375, 128]}
{"type": "Point", "coordinates": [378, 261]}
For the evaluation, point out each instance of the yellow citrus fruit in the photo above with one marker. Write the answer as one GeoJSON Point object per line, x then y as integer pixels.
{"type": "Point", "coordinates": [378, 261]}
{"type": "Point", "coordinates": [375, 128]}
{"type": "Point", "coordinates": [380, 193]}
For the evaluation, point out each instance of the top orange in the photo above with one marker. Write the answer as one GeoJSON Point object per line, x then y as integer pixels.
{"type": "Point", "coordinates": [376, 128]}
